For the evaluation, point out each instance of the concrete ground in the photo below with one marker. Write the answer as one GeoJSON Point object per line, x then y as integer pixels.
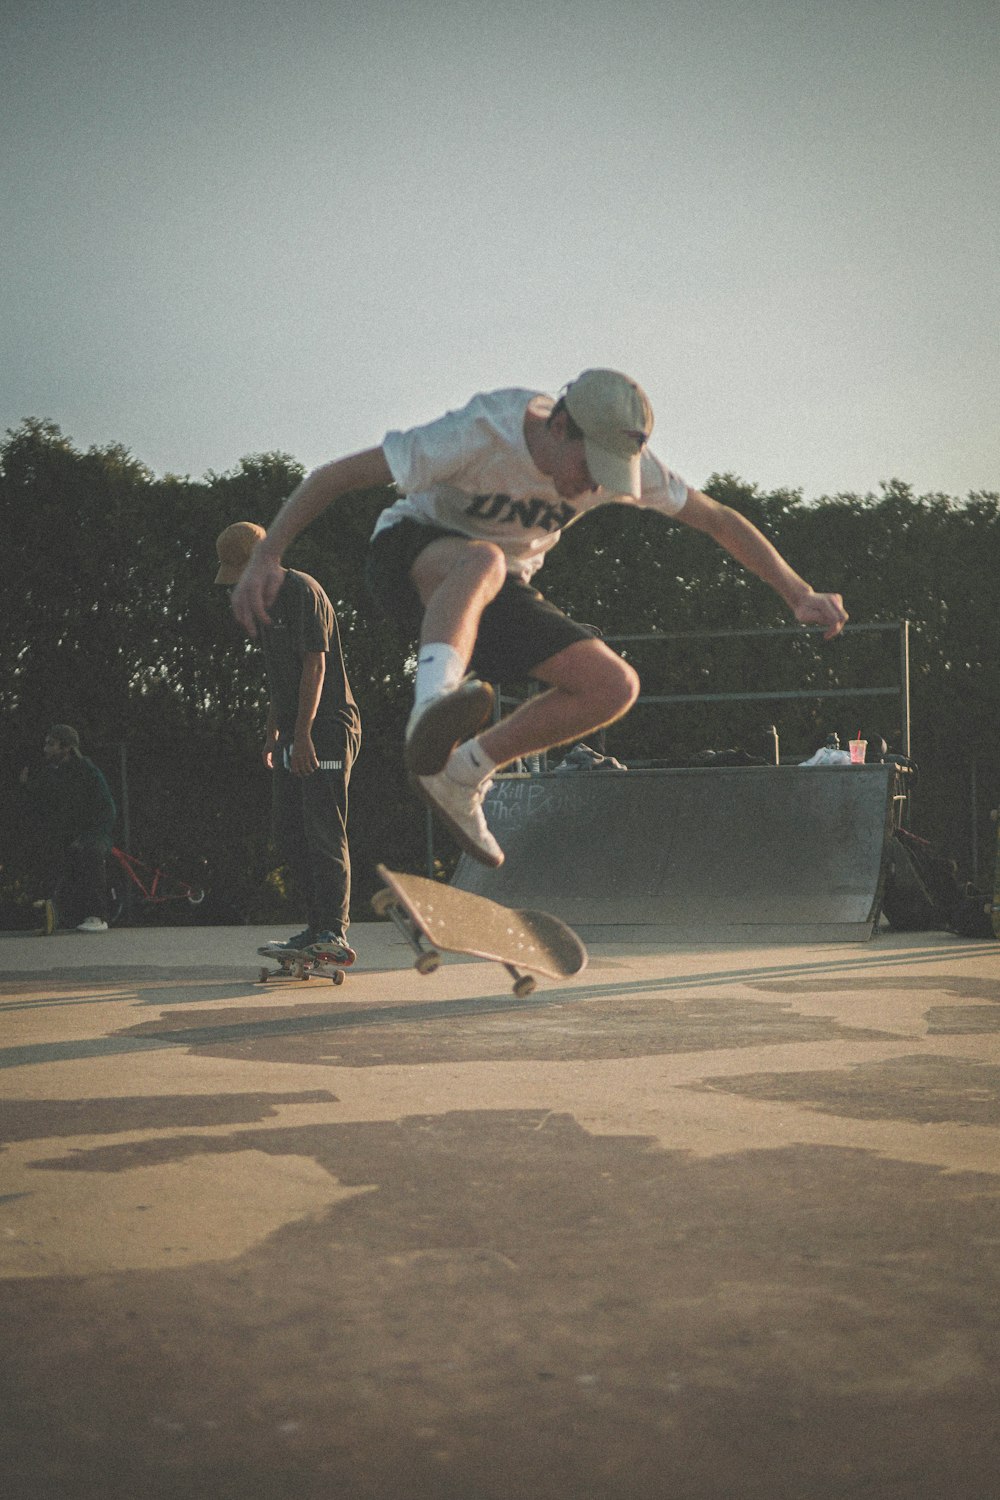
{"type": "Point", "coordinates": [701, 1224]}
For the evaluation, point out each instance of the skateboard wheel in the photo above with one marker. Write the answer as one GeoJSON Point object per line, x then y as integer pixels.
{"type": "Point", "coordinates": [263, 976]}
{"type": "Point", "coordinates": [525, 986]}
{"type": "Point", "coordinates": [428, 963]}
{"type": "Point", "coordinates": [381, 902]}
{"type": "Point", "coordinates": [338, 977]}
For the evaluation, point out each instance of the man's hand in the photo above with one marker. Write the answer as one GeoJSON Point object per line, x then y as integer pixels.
{"type": "Point", "coordinates": [256, 591]}
{"type": "Point", "coordinates": [822, 609]}
{"type": "Point", "coordinates": [304, 758]}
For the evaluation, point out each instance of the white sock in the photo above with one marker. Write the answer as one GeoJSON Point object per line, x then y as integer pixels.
{"type": "Point", "coordinates": [440, 668]}
{"type": "Point", "coordinates": [470, 764]}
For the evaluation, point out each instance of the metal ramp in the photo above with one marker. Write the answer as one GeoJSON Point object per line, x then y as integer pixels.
{"type": "Point", "coordinates": [744, 854]}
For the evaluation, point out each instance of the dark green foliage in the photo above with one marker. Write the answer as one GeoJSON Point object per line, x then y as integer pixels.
{"type": "Point", "coordinates": [112, 622]}
{"type": "Point", "coordinates": [115, 625]}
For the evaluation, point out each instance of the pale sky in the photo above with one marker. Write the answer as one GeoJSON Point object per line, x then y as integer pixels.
{"type": "Point", "coordinates": [293, 224]}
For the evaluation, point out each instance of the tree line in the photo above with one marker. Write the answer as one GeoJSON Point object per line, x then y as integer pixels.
{"type": "Point", "coordinates": [112, 623]}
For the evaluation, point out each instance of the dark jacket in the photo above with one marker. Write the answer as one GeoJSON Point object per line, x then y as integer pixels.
{"type": "Point", "coordinates": [74, 800]}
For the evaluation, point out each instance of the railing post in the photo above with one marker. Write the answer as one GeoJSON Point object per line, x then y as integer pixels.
{"type": "Point", "coordinates": [904, 684]}
{"type": "Point", "coordinates": [127, 888]}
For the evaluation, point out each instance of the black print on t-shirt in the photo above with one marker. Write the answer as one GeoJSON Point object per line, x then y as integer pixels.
{"type": "Point", "coordinates": [532, 514]}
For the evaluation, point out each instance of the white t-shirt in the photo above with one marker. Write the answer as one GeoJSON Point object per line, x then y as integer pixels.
{"type": "Point", "coordinates": [471, 472]}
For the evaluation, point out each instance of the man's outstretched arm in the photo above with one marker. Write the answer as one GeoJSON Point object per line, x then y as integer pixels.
{"type": "Point", "coordinates": [742, 540]}
{"type": "Point", "coordinates": [262, 577]}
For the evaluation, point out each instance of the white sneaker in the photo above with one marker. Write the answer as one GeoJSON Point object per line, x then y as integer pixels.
{"type": "Point", "coordinates": [439, 724]}
{"type": "Point", "coordinates": [460, 809]}
{"type": "Point", "coordinates": [92, 924]}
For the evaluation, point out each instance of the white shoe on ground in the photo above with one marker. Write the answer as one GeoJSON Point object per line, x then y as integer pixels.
{"type": "Point", "coordinates": [460, 809]}
{"type": "Point", "coordinates": [439, 724]}
{"type": "Point", "coordinates": [92, 924]}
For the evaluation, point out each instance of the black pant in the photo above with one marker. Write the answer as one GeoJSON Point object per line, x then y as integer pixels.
{"type": "Point", "coordinates": [310, 827]}
{"type": "Point", "coordinates": [81, 890]}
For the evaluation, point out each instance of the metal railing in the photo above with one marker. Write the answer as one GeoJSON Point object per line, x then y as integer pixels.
{"type": "Point", "coordinates": [899, 689]}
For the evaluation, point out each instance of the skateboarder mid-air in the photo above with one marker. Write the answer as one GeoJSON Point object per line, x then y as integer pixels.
{"type": "Point", "coordinates": [485, 492]}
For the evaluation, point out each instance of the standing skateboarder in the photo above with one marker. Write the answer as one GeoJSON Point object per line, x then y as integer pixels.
{"type": "Point", "coordinates": [311, 742]}
{"type": "Point", "coordinates": [486, 492]}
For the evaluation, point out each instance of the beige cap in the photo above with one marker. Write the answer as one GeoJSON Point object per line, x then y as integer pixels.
{"type": "Point", "coordinates": [234, 546]}
{"type": "Point", "coordinates": [615, 417]}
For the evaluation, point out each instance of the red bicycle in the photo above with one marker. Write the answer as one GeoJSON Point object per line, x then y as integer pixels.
{"type": "Point", "coordinates": [154, 886]}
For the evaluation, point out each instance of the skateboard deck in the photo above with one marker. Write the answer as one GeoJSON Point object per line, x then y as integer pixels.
{"type": "Point", "coordinates": [298, 964]}
{"type": "Point", "coordinates": [436, 918]}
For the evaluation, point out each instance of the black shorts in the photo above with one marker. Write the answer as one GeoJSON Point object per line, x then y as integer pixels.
{"type": "Point", "coordinates": [519, 630]}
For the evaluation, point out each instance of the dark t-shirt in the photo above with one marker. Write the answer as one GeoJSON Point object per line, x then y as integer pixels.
{"type": "Point", "coordinates": [302, 620]}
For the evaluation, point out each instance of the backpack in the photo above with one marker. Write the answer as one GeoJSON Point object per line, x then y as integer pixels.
{"type": "Point", "coordinates": [923, 892]}
{"type": "Point", "coordinates": [973, 915]}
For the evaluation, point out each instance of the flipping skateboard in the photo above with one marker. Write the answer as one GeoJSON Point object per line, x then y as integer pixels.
{"type": "Point", "coordinates": [436, 918]}
{"type": "Point", "coordinates": [299, 964]}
